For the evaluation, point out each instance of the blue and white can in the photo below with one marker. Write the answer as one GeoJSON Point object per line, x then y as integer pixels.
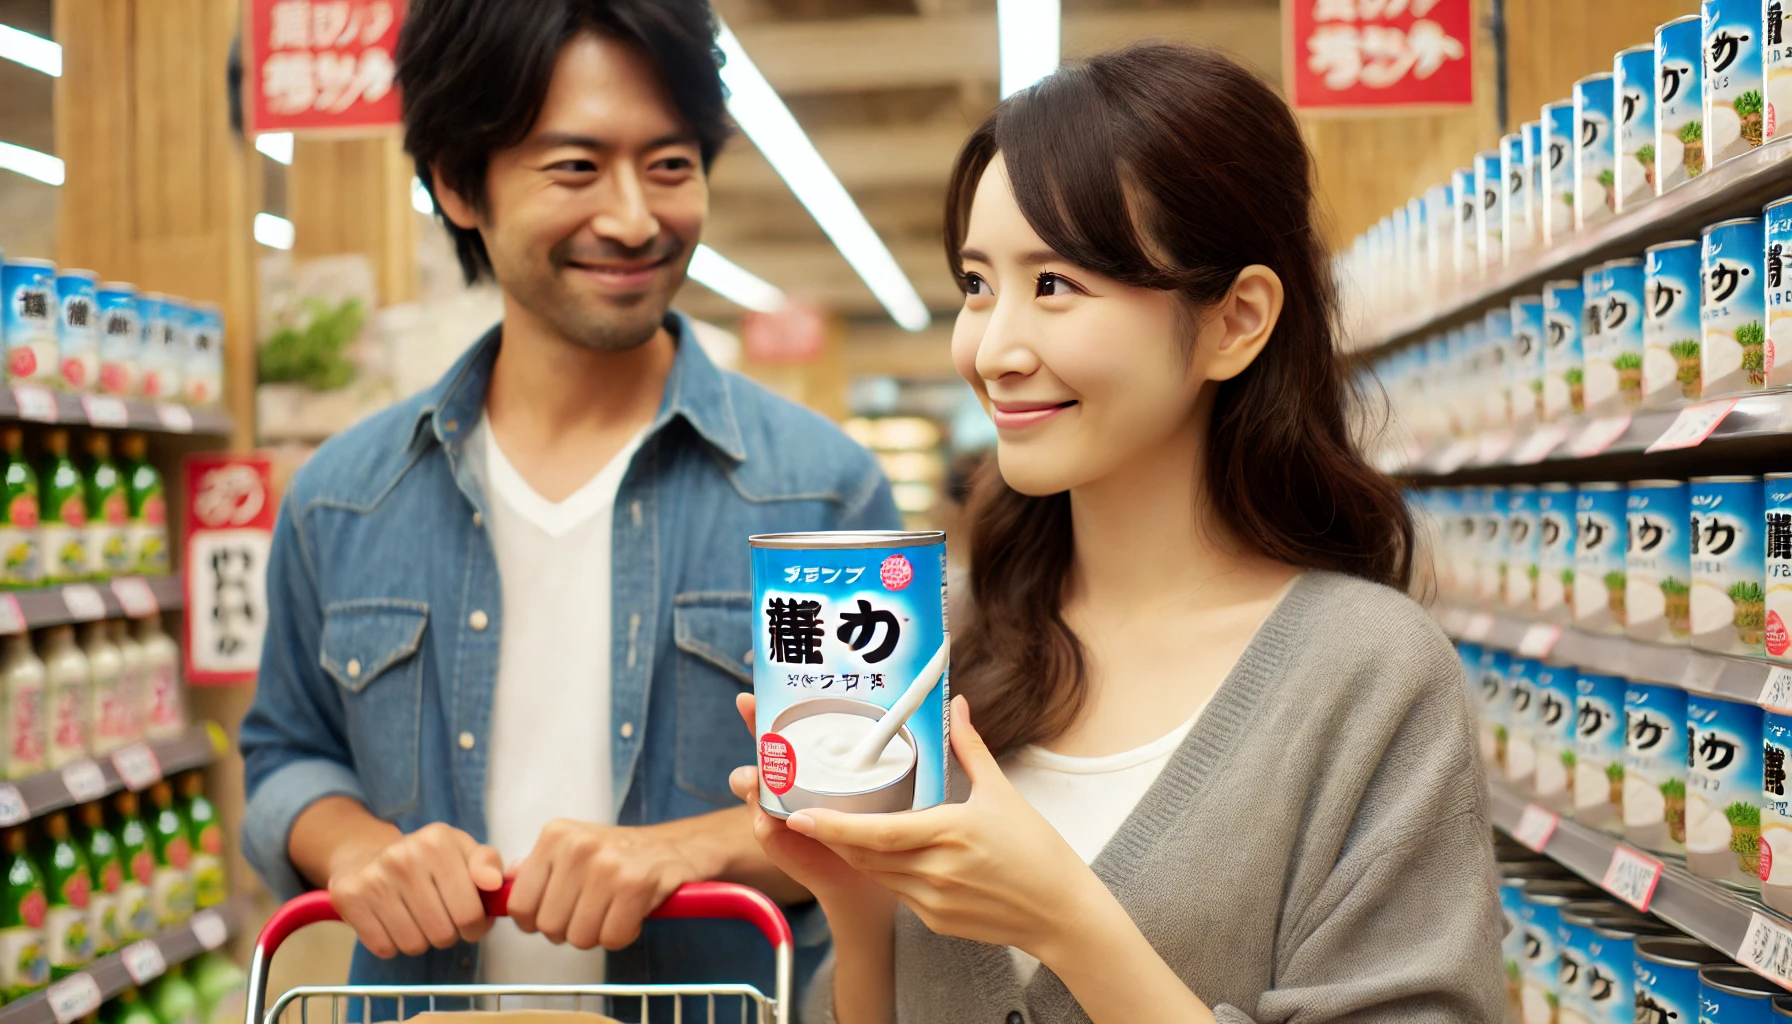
{"type": "Point", "coordinates": [1734, 108]}
{"type": "Point", "coordinates": [1418, 249]}
{"type": "Point", "coordinates": [1776, 70]}
{"type": "Point", "coordinates": [29, 320]}
{"type": "Point", "coordinates": [164, 320]}
{"type": "Point", "coordinates": [1600, 544]}
{"type": "Point", "coordinates": [1490, 223]}
{"type": "Point", "coordinates": [1495, 691]}
{"type": "Point", "coordinates": [1776, 811]}
{"type": "Point", "coordinates": [1733, 314]}
{"type": "Point", "coordinates": [1523, 544]}
{"type": "Point", "coordinates": [1679, 114]}
{"type": "Point", "coordinates": [1658, 562]}
{"type": "Point", "coordinates": [120, 338]}
{"type": "Point", "coordinates": [202, 381]}
{"type": "Point", "coordinates": [1667, 978]}
{"type": "Point", "coordinates": [1615, 357]}
{"type": "Point", "coordinates": [1498, 364]}
{"type": "Point", "coordinates": [1563, 369]}
{"type": "Point", "coordinates": [1555, 551]}
{"type": "Point", "coordinates": [1595, 198]}
{"type": "Point", "coordinates": [1536, 151]}
{"type": "Point", "coordinates": [1516, 232]}
{"type": "Point", "coordinates": [1777, 265]}
{"type": "Point", "coordinates": [1540, 914]}
{"type": "Point", "coordinates": [1599, 751]}
{"type": "Point", "coordinates": [1574, 934]}
{"type": "Point", "coordinates": [1735, 995]}
{"type": "Point", "coordinates": [1611, 965]}
{"type": "Point", "coordinates": [1776, 541]}
{"type": "Point", "coordinates": [1672, 285]}
{"type": "Point", "coordinates": [851, 629]}
{"type": "Point", "coordinates": [1521, 722]}
{"type": "Point", "coordinates": [1655, 767]}
{"type": "Point", "coordinates": [1723, 790]}
{"type": "Point", "coordinates": [1467, 200]}
{"type": "Point", "coordinates": [1554, 736]}
{"type": "Point", "coordinates": [1560, 134]}
{"type": "Point", "coordinates": [1729, 599]}
{"type": "Point", "coordinates": [1592, 320]}
{"type": "Point", "coordinates": [77, 340]}
{"type": "Point", "coordinates": [1440, 240]}
{"type": "Point", "coordinates": [1633, 89]}
{"type": "Point", "coordinates": [1491, 563]}
{"type": "Point", "coordinates": [1527, 358]}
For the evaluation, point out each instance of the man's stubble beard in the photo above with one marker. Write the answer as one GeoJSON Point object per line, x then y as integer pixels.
{"type": "Point", "coordinates": [602, 326]}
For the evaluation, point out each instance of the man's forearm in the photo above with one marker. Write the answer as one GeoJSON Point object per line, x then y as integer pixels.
{"type": "Point", "coordinates": [721, 846]}
{"type": "Point", "coordinates": [334, 834]}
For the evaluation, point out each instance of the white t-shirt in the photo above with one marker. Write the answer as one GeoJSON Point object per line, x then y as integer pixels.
{"type": "Point", "coordinates": [1087, 798]}
{"type": "Point", "coordinates": [550, 731]}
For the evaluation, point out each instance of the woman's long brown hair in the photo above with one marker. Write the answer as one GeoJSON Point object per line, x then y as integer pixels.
{"type": "Point", "coordinates": [1168, 167]}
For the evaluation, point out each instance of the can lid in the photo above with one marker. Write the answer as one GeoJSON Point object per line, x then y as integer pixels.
{"type": "Point", "coordinates": [1776, 203]}
{"type": "Point", "coordinates": [848, 539]}
{"type": "Point", "coordinates": [1678, 951]}
{"type": "Point", "coordinates": [118, 286]}
{"type": "Point", "coordinates": [1631, 928]}
{"type": "Point", "coordinates": [1638, 48]}
{"type": "Point", "coordinates": [1739, 981]}
{"type": "Point", "coordinates": [1594, 77]}
{"type": "Point", "coordinates": [1516, 873]}
{"type": "Point", "coordinates": [1567, 104]}
{"type": "Point", "coordinates": [1548, 285]}
{"type": "Point", "coordinates": [1488, 154]}
{"type": "Point", "coordinates": [1732, 222]}
{"type": "Point", "coordinates": [1726, 479]}
{"type": "Point", "coordinates": [1586, 912]}
{"type": "Point", "coordinates": [78, 272]}
{"type": "Point", "coordinates": [1602, 485]}
{"type": "Point", "coordinates": [1530, 124]}
{"type": "Point", "coordinates": [31, 261]}
{"type": "Point", "coordinates": [1521, 488]}
{"type": "Point", "coordinates": [1557, 892]}
{"type": "Point", "coordinates": [1512, 137]}
{"type": "Point", "coordinates": [1677, 21]}
{"type": "Point", "coordinates": [1654, 485]}
{"type": "Point", "coordinates": [1678, 244]}
{"type": "Point", "coordinates": [1623, 261]}
{"type": "Point", "coordinates": [1555, 485]}
{"type": "Point", "coordinates": [1776, 476]}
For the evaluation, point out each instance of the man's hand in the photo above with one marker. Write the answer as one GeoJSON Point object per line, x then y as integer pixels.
{"type": "Point", "coordinates": [592, 885]}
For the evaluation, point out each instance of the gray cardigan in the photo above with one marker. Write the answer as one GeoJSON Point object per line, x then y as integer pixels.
{"type": "Point", "coordinates": [1317, 850]}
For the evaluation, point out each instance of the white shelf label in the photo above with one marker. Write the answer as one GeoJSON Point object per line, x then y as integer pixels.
{"type": "Point", "coordinates": [1539, 640]}
{"type": "Point", "coordinates": [209, 929]}
{"type": "Point", "coordinates": [13, 809]}
{"type": "Point", "coordinates": [1632, 877]}
{"type": "Point", "coordinates": [12, 617]}
{"type": "Point", "coordinates": [1535, 826]}
{"type": "Point", "coordinates": [1598, 435]}
{"type": "Point", "coordinates": [137, 597]}
{"type": "Point", "coordinates": [1694, 424]}
{"type": "Point", "coordinates": [34, 403]}
{"type": "Point", "coordinates": [74, 997]}
{"type": "Point", "coordinates": [137, 766]}
{"type": "Point", "coordinates": [83, 602]}
{"type": "Point", "coordinates": [1477, 627]}
{"type": "Point", "coordinates": [176, 419]}
{"type": "Point", "coordinates": [1776, 692]}
{"type": "Point", "coordinates": [1536, 448]}
{"type": "Point", "coordinates": [105, 410]}
{"type": "Point", "coordinates": [1767, 949]}
{"type": "Point", "coordinates": [84, 781]}
{"type": "Point", "coordinates": [144, 961]}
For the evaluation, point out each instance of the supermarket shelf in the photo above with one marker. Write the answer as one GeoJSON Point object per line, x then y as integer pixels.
{"type": "Point", "coordinates": [109, 976]}
{"type": "Point", "coordinates": [51, 606]}
{"type": "Point", "coordinates": [1737, 188]}
{"type": "Point", "coordinates": [40, 794]}
{"type": "Point", "coordinates": [113, 413]}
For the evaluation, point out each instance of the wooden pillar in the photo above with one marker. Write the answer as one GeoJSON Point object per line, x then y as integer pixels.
{"type": "Point", "coordinates": [354, 196]}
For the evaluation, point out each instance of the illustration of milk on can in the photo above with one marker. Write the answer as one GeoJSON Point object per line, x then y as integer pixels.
{"type": "Point", "coordinates": [1522, 546]}
{"type": "Point", "coordinates": [1658, 562]}
{"type": "Point", "coordinates": [1599, 751]}
{"type": "Point", "coordinates": [1515, 201]}
{"type": "Point", "coordinates": [1595, 194]}
{"type": "Point", "coordinates": [1672, 284]}
{"type": "Point", "coordinates": [1655, 767]}
{"type": "Point", "coordinates": [1563, 376]}
{"type": "Point", "coordinates": [1633, 92]}
{"type": "Point", "coordinates": [1731, 317]}
{"type": "Point", "coordinates": [1600, 544]}
{"type": "Point", "coordinates": [1555, 551]}
{"type": "Point", "coordinates": [1521, 722]}
{"type": "Point", "coordinates": [1776, 524]}
{"type": "Point", "coordinates": [1560, 134]}
{"type": "Point", "coordinates": [1553, 736]}
{"type": "Point", "coordinates": [1467, 199]}
{"type": "Point", "coordinates": [1723, 790]}
{"type": "Point", "coordinates": [1499, 364]}
{"type": "Point", "coordinates": [77, 342]}
{"type": "Point", "coordinates": [1776, 812]}
{"type": "Point", "coordinates": [1777, 263]}
{"type": "Point", "coordinates": [1679, 114]}
{"type": "Point", "coordinates": [1734, 111]}
{"type": "Point", "coordinates": [29, 324]}
{"type": "Point", "coordinates": [1614, 375]}
{"type": "Point", "coordinates": [202, 381]}
{"type": "Point", "coordinates": [1728, 565]}
{"type": "Point", "coordinates": [1490, 224]}
{"type": "Point", "coordinates": [120, 338]}
{"type": "Point", "coordinates": [1526, 312]}
{"type": "Point", "coordinates": [849, 670]}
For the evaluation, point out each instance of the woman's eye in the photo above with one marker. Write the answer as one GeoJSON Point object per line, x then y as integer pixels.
{"type": "Point", "coordinates": [975, 285]}
{"type": "Point", "coordinates": [1051, 284]}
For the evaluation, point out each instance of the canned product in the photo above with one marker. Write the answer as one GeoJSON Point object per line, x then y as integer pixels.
{"type": "Point", "coordinates": [1776, 543]}
{"type": "Point", "coordinates": [1439, 222]}
{"type": "Point", "coordinates": [1515, 202]}
{"type": "Point", "coordinates": [1522, 546]}
{"type": "Point", "coordinates": [1563, 372]}
{"type": "Point", "coordinates": [1511, 891]}
{"type": "Point", "coordinates": [1614, 374]}
{"type": "Point", "coordinates": [1679, 116]}
{"type": "Point", "coordinates": [1732, 92]}
{"type": "Point", "coordinates": [1418, 249]}
{"type": "Point", "coordinates": [1574, 932]}
{"type": "Point", "coordinates": [1633, 90]}
{"type": "Point", "coordinates": [1776, 70]}
{"type": "Point", "coordinates": [1658, 562]}
{"type": "Point", "coordinates": [1667, 978]}
{"type": "Point", "coordinates": [165, 319]}
{"type": "Point", "coordinates": [1611, 965]}
{"type": "Point", "coordinates": [1489, 219]}
{"type": "Point", "coordinates": [852, 629]}
{"type": "Point", "coordinates": [1595, 198]}
{"type": "Point", "coordinates": [1554, 736]}
{"type": "Point", "coordinates": [120, 338]}
{"type": "Point", "coordinates": [1723, 790]}
{"type": "Point", "coordinates": [1467, 544]}
{"type": "Point", "coordinates": [1535, 152]}
{"type": "Point", "coordinates": [1777, 233]}
{"type": "Point", "coordinates": [1671, 286]}
{"type": "Point", "coordinates": [1728, 565]}
{"type": "Point", "coordinates": [29, 320]}
{"type": "Point", "coordinates": [1599, 751]}
{"type": "Point", "coordinates": [1734, 307]}
{"type": "Point", "coordinates": [1555, 551]}
{"type": "Point", "coordinates": [1599, 553]}
{"type": "Point", "coordinates": [1735, 995]}
{"type": "Point", "coordinates": [1655, 767]}
{"type": "Point", "coordinates": [1540, 914]}
{"type": "Point", "coordinates": [1592, 319]}
{"type": "Point", "coordinates": [1559, 136]}
{"type": "Point", "coordinates": [1776, 813]}
{"type": "Point", "coordinates": [1521, 722]}
{"type": "Point", "coordinates": [1496, 694]}
{"type": "Point", "coordinates": [77, 345]}
{"type": "Point", "coordinates": [1467, 200]}
{"type": "Point", "coordinates": [202, 379]}
{"type": "Point", "coordinates": [1498, 364]}
{"type": "Point", "coordinates": [1527, 358]}
{"type": "Point", "coordinates": [1491, 564]}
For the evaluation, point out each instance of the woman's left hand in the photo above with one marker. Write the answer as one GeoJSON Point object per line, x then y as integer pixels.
{"type": "Point", "coordinates": [990, 869]}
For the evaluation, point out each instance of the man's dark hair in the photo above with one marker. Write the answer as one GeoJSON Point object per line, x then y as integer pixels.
{"type": "Point", "coordinates": [475, 73]}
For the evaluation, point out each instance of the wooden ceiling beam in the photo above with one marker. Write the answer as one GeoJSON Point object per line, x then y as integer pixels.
{"type": "Point", "coordinates": [869, 157]}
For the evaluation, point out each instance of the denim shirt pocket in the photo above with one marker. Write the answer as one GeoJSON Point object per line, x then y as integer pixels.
{"type": "Point", "coordinates": [714, 634]}
{"type": "Point", "coordinates": [370, 649]}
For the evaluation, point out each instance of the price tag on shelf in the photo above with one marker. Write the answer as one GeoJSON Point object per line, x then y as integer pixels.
{"type": "Point", "coordinates": [1539, 639]}
{"type": "Point", "coordinates": [84, 781]}
{"type": "Point", "coordinates": [13, 810]}
{"type": "Point", "coordinates": [1598, 435]}
{"type": "Point", "coordinates": [1536, 448]}
{"type": "Point", "coordinates": [143, 961]}
{"type": "Point", "coordinates": [1776, 692]}
{"type": "Point", "coordinates": [1767, 949]}
{"type": "Point", "coordinates": [137, 766]}
{"type": "Point", "coordinates": [73, 997]}
{"type": "Point", "coordinates": [83, 602]}
{"type": "Point", "coordinates": [137, 597]}
{"type": "Point", "coordinates": [1694, 424]}
{"type": "Point", "coordinates": [176, 419]}
{"type": "Point", "coordinates": [1477, 627]}
{"type": "Point", "coordinates": [209, 929]}
{"type": "Point", "coordinates": [105, 410]}
{"type": "Point", "coordinates": [1632, 877]}
{"type": "Point", "coordinates": [35, 403]}
{"type": "Point", "coordinates": [1535, 826]}
{"type": "Point", "coordinates": [12, 617]}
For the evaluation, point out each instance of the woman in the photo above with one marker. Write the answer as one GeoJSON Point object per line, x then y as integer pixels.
{"type": "Point", "coordinates": [1222, 769]}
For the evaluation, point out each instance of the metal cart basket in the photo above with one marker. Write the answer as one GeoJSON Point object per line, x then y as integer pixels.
{"type": "Point", "coordinates": [342, 1004]}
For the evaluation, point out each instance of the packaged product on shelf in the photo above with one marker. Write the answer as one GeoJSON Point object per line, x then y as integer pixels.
{"type": "Point", "coordinates": [1595, 195]}
{"type": "Point", "coordinates": [63, 529]}
{"type": "Point", "coordinates": [77, 337]}
{"type": "Point", "coordinates": [1777, 232]}
{"type": "Point", "coordinates": [1574, 932]}
{"type": "Point", "coordinates": [1776, 72]}
{"type": "Point", "coordinates": [1563, 367]}
{"type": "Point", "coordinates": [1489, 221]}
{"type": "Point", "coordinates": [1592, 320]}
{"type": "Point", "coordinates": [1526, 312]}
{"type": "Point", "coordinates": [1633, 89]}
{"type": "Point", "coordinates": [1671, 331]}
{"type": "Point", "coordinates": [68, 940]}
{"type": "Point", "coordinates": [1679, 111]}
{"type": "Point", "coordinates": [166, 707]}
{"type": "Point", "coordinates": [202, 382]}
{"type": "Point", "coordinates": [1514, 205]}
{"type": "Point", "coordinates": [1554, 737]}
{"type": "Point", "coordinates": [27, 727]}
{"type": "Point", "coordinates": [105, 869]}
{"type": "Point", "coordinates": [1600, 548]}
{"type": "Point", "coordinates": [1489, 671]}
{"type": "Point", "coordinates": [1776, 521]}
{"type": "Point", "coordinates": [1611, 965]}
{"type": "Point", "coordinates": [1466, 198]}
{"type": "Point", "coordinates": [108, 511]}
{"type": "Point", "coordinates": [222, 988]}
{"type": "Point", "coordinates": [136, 906]}
{"type": "Point", "coordinates": [24, 963]}
{"type": "Point", "coordinates": [148, 508]}
{"type": "Point", "coordinates": [1438, 224]}
{"type": "Point", "coordinates": [1512, 879]}
{"type": "Point", "coordinates": [105, 694]}
{"type": "Point", "coordinates": [1418, 250]}
{"type": "Point", "coordinates": [129, 1007]}
{"type": "Point", "coordinates": [1599, 752]}
{"type": "Point", "coordinates": [1521, 547]}
{"type": "Point", "coordinates": [1734, 307]}
{"type": "Point", "coordinates": [1735, 994]}
{"type": "Point", "coordinates": [1496, 367]}
{"type": "Point", "coordinates": [29, 321]}
{"type": "Point", "coordinates": [1555, 551]}
{"type": "Point", "coordinates": [1776, 812]}
{"type": "Point", "coordinates": [1491, 565]}
{"type": "Point", "coordinates": [1658, 562]}
{"type": "Point", "coordinates": [1614, 375]}
{"type": "Point", "coordinates": [1540, 910]}
{"type": "Point", "coordinates": [67, 679]}
{"type": "Point", "coordinates": [1667, 977]}
{"type": "Point", "coordinates": [1521, 724]}
{"type": "Point", "coordinates": [161, 315]}
{"type": "Point", "coordinates": [21, 559]}
{"type": "Point", "coordinates": [1734, 110]}
{"type": "Point", "coordinates": [1655, 767]}
{"type": "Point", "coordinates": [1728, 565]}
{"type": "Point", "coordinates": [1536, 151]}
{"type": "Point", "coordinates": [133, 680]}
{"type": "Point", "coordinates": [206, 835]}
{"type": "Point", "coordinates": [1723, 790]}
{"type": "Point", "coordinates": [1559, 131]}
{"type": "Point", "coordinates": [174, 999]}
{"type": "Point", "coordinates": [171, 894]}
{"type": "Point", "coordinates": [120, 338]}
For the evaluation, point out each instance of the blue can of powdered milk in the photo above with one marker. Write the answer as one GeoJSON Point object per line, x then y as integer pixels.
{"type": "Point", "coordinates": [1667, 978]}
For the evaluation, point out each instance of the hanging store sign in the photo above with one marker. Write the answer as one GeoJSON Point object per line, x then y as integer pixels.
{"type": "Point", "coordinates": [229, 532]}
{"type": "Point", "coordinates": [1357, 55]}
{"type": "Point", "coordinates": [321, 65]}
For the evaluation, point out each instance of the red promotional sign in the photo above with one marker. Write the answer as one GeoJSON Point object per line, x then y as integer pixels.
{"type": "Point", "coordinates": [796, 333]}
{"type": "Point", "coordinates": [321, 64]}
{"type": "Point", "coordinates": [229, 532]}
{"type": "Point", "coordinates": [1377, 54]}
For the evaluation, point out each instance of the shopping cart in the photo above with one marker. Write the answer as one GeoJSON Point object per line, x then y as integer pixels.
{"type": "Point", "coordinates": [698, 900]}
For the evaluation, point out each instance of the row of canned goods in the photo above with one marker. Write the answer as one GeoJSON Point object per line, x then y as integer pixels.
{"type": "Point", "coordinates": [1687, 319]}
{"type": "Point", "coordinates": [1572, 953]}
{"type": "Point", "coordinates": [1706, 562]}
{"type": "Point", "coordinates": [1709, 88]}
{"type": "Point", "coordinates": [65, 329]}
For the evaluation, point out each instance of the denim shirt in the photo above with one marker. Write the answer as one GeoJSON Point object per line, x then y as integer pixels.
{"type": "Point", "coordinates": [382, 645]}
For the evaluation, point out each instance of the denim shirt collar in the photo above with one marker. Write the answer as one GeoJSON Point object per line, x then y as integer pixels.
{"type": "Point", "coordinates": [695, 390]}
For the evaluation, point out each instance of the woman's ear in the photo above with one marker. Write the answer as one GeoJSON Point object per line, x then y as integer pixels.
{"type": "Point", "coordinates": [1243, 321]}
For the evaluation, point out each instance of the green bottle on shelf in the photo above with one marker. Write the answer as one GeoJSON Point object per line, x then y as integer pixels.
{"type": "Point", "coordinates": [21, 554]}
{"type": "Point", "coordinates": [172, 891]}
{"type": "Point", "coordinates": [67, 939]}
{"type": "Point", "coordinates": [63, 533]}
{"type": "Point", "coordinates": [148, 528]}
{"type": "Point", "coordinates": [223, 991]}
{"type": "Point", "coordinates": [136, 911]}
{"type": "Point", "coordinates": [174, 999]}
{"type": "Point", "coordinates": [108, 512]}
{"type": "Point", "coordinates": [207, 836]}
{"type": "Point", "coordinates": [24, 966]}
{"type": "Point", "coordinates": [129, 1007]}
{"type": "Point", "coordinates": [106, 872]}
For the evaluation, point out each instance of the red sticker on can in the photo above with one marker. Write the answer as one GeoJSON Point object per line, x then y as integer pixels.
{"type": "Point", "coordinates": [1766, 858]}
{"type": "Point", "coordinates": [896, 572]}
{"type": "Point", "coordinates": [1777, 640]}
{"type": "Point", "coordinates": [777, 763]}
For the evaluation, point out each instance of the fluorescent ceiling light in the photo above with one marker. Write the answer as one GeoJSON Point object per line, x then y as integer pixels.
{"type": "Point", "coordinates": [31, 163]}
{"type": "Point", "coordinates": [1027, 33]}
{"type": "Point", "coordinates": [732, 282]}
{"type": "Point", "coordinates": [277, 146]}
{"type": "Point", "coordinates": [420, 200]}
{"type": "Point", "coordinates": [35, 52]}
{"type": "Point", "coordinates": [767, 121]}
{"type": "Point", "coordinates": [273, 232]}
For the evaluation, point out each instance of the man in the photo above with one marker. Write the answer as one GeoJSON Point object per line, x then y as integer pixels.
{"type": "Point", "coordinates": [510, 616]}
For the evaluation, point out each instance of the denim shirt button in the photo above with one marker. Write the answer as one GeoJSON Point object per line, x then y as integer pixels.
{"type": "Point", "coordinates": [478, 621]}
{"type": "Point", "coordinates": [747, 658]}
{"type": "Point", "coordinates": [353, 668]}
{"type": "Point", "coordinates": [627, 730]}
{"type": "Point", "coordinates": [478, 520]}
{"type": "Point", "coordinates": [466, 741]}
